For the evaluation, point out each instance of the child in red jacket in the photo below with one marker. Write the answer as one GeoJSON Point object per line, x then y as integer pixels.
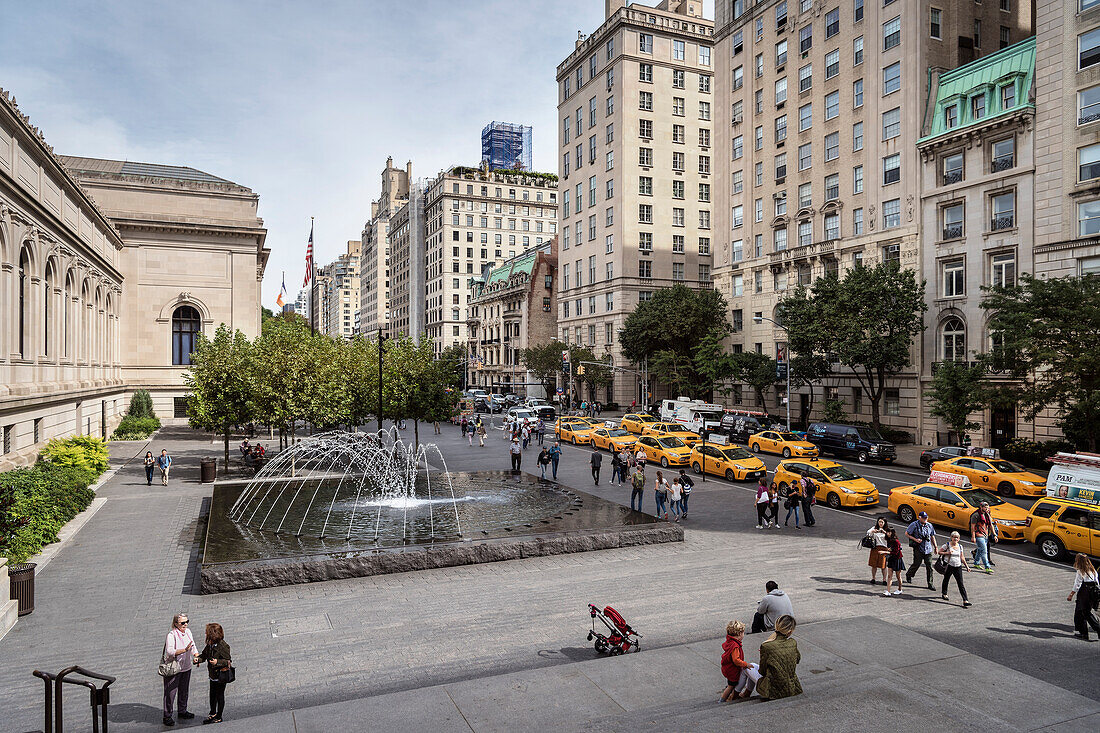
{"type": "Point", "coordinates": [734, 665]}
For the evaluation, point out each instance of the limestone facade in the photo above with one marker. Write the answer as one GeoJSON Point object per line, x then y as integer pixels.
{"type": "Point", "coordinates": [339, 292]}
{"type": "Point", "coordinates": [374, 299]}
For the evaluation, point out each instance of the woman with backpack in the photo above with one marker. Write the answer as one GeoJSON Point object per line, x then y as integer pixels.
{"type": "Point", "coordinates": [1087, 588]}
{"type": "Point", "coordinates": [895, 562]}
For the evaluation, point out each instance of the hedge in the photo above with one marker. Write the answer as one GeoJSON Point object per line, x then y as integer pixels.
{"type": "Point", "coordinates": [1033, 454]}
{"type": "Point", "coordinates": [80, 451]}
{"type": "Point", "coordinates": [140, 421]}
{"type": "Point", "coordinates": [36, 502]}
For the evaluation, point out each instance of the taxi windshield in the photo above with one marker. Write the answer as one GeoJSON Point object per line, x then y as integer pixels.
{"type": "Point", "coordinates": [736, 454]}
{"type": "Point", "coordinates": [789, 436]}
{"type": "Point", "coordinates": [617, 433]}
{"type": "Point", "coordinates": [974, 497]}
{"type": "Point", "coordinates": [646, 418]}
{"type": "Point", "coordinates": [1006, 467]}
{"type": "Point", "coordinates": [839, 473]}
{"type": "Point", "coordinates": [672, 443]}
{"type": "Point", "coordinates": [675, 428]}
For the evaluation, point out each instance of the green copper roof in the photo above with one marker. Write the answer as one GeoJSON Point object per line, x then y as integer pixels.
{"type": "Point", "coordinates": [965, 90]}
{"type": "Point", "coordinates": [524, 263]}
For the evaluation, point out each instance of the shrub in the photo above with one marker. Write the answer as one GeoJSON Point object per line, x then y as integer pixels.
{"type": "Point", "coordinates": [141, 405]}
{"type": "Point", "coordinates": [35, 503]}
{"type": "Point", "coordinates": [1034, 454]}
{"type": "Point", "coordinates": [135, 428]}
{"type": "Point", "coordinates": [833, 411]}
{"type": "Point", "coordinates": [80, 451]}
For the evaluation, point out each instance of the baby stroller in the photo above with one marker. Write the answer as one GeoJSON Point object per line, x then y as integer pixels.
{"type": "Point", "coordinates": [622, 638]}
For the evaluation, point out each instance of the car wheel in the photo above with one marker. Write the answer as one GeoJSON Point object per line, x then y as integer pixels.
{"type": "Point", "coordinates": [730, 476]}
{"type": "Point", "coordinates": [755, 447]}
{"type": "Point", "coordinates": [783, 491]}
{"type": "Point", "coordinates": [906, 514]}
{"type": "Point", "coordinates": [833, 500]}
{"type": "Point", "coordinates": [786, 452]}
{"type": "Point", "coordinates": [1006, 489]}
{"type": "Point", "coordinates": [695, 467]}
{"type": "Point", "coordinates": [574, 440]}
{"type": "Point", "coordinates": [1051, 547]}
{"type": "Point", "coordinates": [925, 464]}
{"type": "Point", "coordinates": [664, 462]}
{"type": "Point", "coordinates": [862, 457]}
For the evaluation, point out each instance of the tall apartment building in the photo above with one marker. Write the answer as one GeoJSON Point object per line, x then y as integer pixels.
{"type": "Point", "coordinates": [301, 303]}
{"type": "Point", "coordinates": [506, 145]}
{"type": "Point", "coordinates": [338, 291]}
{"type": "Point", "coordinates": [977, 217]}
{"type": "Point", "coordinates": [476, 218]}
{"type": "Point", "coordinates": [636, 107]}
{"type": "Point", "coordinates": [407, 274]}
{"type": "Point", "coordinates": [820, 106]}
{"type": "Point", "coordinates": [374, 299]}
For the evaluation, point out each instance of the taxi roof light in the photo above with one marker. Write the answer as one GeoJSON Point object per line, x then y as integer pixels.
{"type": "Point", "coordinates": [946, 478]}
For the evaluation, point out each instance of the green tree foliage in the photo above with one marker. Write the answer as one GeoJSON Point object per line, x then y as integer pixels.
{"type": "Point", "coordinates": [36, 502]}
{"type": "Point", "coordinates": [544, 361]}
{"type": "Point", "coordinates": [866, 321]}
{"type": "Point", "coordinates": [220, 382]}
{"type": "Point", "coordinates": [957, 390]}
{"type": "Point", "coordinates": [140, 421]}
{"type": "Point", "coordinates": [416, 386]}
{"type": "Point", "coordinates": [756, 370]}
{"type": "Point", "coordinates": [453, 366]}
{"type": "Point", "coordinates": [141, 404]}
{"type": "Point", "coordinates": [1047, 330]}
{"type": "Point", "coordinates": [595, 374]}
{"type": "Point", "coordinates": [85, 452]}
{"type": "Point", "coordinates": [714, 366]}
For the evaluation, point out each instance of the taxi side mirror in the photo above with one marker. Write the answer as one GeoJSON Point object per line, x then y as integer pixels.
{"type": "Point", "coordinates": [960, 504]}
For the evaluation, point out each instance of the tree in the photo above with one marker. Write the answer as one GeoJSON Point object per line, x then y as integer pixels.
{"type": "Point", "coordinates": [452, 363]}
{"type": "Point", "coordinates": [676, 370]}
{"type": "Point", "coordinates": [415, 384]}
{"type": "Point", "coordinates": [756, 370]}
{"type": "Point", "coordinates": [1045, 335]}
{"type": "Point", "coordinates": [544, 361]}
{"type": "Point", "coordinates": [714, 366]}
{"type": "Point", "coordinates": [865, 321]}
{"type": "Point", "coordinates": [220, 382]}
{"type": "Point", "coordinates": [594, 376]}
{"type": "Point", "coordinates": [957, 389]}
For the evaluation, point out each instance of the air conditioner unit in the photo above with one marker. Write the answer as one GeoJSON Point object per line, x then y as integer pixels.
{"type": "Point", "coordinates": [737, 119]}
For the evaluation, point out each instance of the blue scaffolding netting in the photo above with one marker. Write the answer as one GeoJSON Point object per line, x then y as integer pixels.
{"type": "Point", "coordinates": [505, 145]}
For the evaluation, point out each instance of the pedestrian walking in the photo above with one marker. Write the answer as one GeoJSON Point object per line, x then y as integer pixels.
{"type": "Point", "coordinates": [922, 538]}
{"type": "Point", "coordinates": [734, 667]}
{"type": "Point", "coordinates": [616, 467]}
{"type": "Point", "coordinates": [981, 532]}
{"type": "Point", "coordinates": [794, 501]}
{"type": "Point", "coordinates": [809, 498]}
{"type": "Point", "coordinates": [463, 425]}
{"type": "Point", "coordinates": [1086, 586]}
{"type": "Point", "coordinates": [639, 458]}
{"type": "Point", "coordinates": [763, 500]}
{"type": "Point", "coordinates": [660, 491]}
{"type": "Point", "coordinates": [525, 433]}
{"type": "Point", "coordinates": [150, 464]}
{"type": "Point", "coordinates": [879, 549]}
{"type": "Point", "coordinates": [595, 461]}
{"type": "Point", "coordinates": [219, 665]}
{"type": "Point", "coordinates": [543, 461]}
{"type": "Point", "coordinates": [952, 553]}
{"type": "Point", "coordinates": [773, 605]}
{"type": "Point", "coordinates": [686, 485]}
{"type": "Point", "coordinates": [435, 424]}
{"type": "Point", "coordinates": [517, 455]}
{"type": "Point", "coordinates": [555, 456]}
{"type": "Point", "coordinates": [468, 433]}
{"type": "Point", "coordinates": [599, 408]}
{"type": "Point", "coordinates": [175, 668]}
{"type": "Point", "coordinates": [540, 430]}
{"type": "Point", "coordinates": [675, 497]}
{"type": "Point", "coordinates": [773, 505]}
{"type": "Point", "coordinates": [779, 657]}
{"type": "Point", "coordinates": [480, 433]}
{"type": "Point", "coordinates": [895, 561]}
{"type": "Point", "coordinates": [633, 404]}
{"type": "Point", "coordinates": [637, 484]}
{"type": "Point", "coordinates": [164, 463]}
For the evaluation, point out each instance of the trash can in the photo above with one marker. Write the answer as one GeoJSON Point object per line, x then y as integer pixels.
{"type": "Point", "coordinates": [22, 586]}
{"type": "Point", "coordinates": [209, 470]}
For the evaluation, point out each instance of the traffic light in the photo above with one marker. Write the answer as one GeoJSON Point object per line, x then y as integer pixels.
{"type": "Point", "coordinates": [580, 370]}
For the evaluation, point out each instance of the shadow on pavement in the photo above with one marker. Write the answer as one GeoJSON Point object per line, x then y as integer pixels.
{"type": "Point", "coordinates": [1039, 631]}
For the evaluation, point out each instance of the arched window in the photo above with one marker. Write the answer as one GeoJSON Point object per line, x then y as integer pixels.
{"type": "Point", "coordinates": [953, 340]}
{"type": "Point", "coordinates": [24, 299]}
{"type": "Point", "coordinates": [67, 316]}
{"type": "Point", "coordinates": [48, 306]}
{"type": "Point", "coordinates": [186, 326]}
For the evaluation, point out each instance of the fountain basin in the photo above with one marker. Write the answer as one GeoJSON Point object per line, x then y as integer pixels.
{"type": "Point", "coordinates": [496, 516]}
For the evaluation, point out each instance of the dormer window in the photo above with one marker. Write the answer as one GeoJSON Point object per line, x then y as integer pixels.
{"type": "Point", "coordinates": [951, 116]}
{"type": "Point", "coordinates": [1008, 96]}
{"type": "Point", "coordinates": [977, 106]}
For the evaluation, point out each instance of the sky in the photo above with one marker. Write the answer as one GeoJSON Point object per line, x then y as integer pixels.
{"type": "Point", "coordinates": [300, 101]}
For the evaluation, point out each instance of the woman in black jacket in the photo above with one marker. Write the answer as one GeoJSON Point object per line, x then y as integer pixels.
{"type": "Point", "coordinates": [219, 665]}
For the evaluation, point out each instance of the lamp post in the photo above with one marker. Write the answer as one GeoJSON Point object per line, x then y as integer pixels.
{"type": "Point", "coordinates": [758, 319]}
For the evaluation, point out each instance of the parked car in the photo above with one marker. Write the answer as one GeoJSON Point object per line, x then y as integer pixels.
{"type": "Point", "coordinates": [1060, 526]}
{"type": "Point", "coordinates": [943, 453]}
{"type": "Point", "coordinates": [786, 444]}
{"type": "Point", "coordinates": [952, 504]}
{"type": "Point", "coordinates": [546, 412]}
{"type": "Point", "coordinates": [511, 399]}
{"type": "Point", "coordinates": [836, 485]}
{"type": "Point", "coordinates": [525, 416]}
{"type": "Point", "coordinates": [995, 474]}
{"type": "Point", "coordinates": [738, 427]}
{"type": "Point", "coordinates": [859, 441]}
{"type": "Point", "coordinates": [534, 402]}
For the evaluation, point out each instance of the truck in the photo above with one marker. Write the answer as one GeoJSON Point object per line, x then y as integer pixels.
{"type": "Point", "coordinates": [694, 414]}
{"type": "Point", "coordinates": [1075, 476]}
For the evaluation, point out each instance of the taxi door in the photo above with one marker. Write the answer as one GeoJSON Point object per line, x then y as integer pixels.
{"type": "Point", "coordinates": [716, 462]}
{"type": "Point", "coordinates": [981, 473]}
{"type": "Point", "coordinates": [946, 510]}
{"type": "Point", "coordinates": [649, 445]}
{"type": "Point", "coordinates": [599, 438]}
{"type": "Point", "coordinates": [769, 441]}
{"type": "Point", "coordinates": [1094, 520]}
{"type": "Point", "coordinates": [1072, 527]}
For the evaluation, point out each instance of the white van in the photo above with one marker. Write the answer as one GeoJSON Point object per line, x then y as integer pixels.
{"type": "Point", "coordinates": [669, 408]}
{"type": "Point", "coordinates": [700, 417]}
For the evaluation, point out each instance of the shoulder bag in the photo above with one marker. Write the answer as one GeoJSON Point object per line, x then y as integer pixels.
{"type": "Point", "coordinates": [940, 566]}
{"type": "Point", "coordinates": [168, 667]}
{"type": "Point", "coordinates": [867, 542]}
{"type": "Point", "coordinates": [227, 675]}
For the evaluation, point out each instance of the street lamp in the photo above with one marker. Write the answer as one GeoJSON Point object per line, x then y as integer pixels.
{"type": "Point", "coordinates": [760, 318]}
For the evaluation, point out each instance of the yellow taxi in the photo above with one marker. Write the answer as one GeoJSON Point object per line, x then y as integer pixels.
{"type": "Point", "coordinates": [577, 432]}
{"type": "Point", "coordinates": [636, 422]}
{"type": "Point", "coordinates": [1004, 477]}
{"type": "Point", "coordinates": [733, 462]}
{"type": "Point", "coordinates": [612, 438]}
{"type": "Point", "coordinates": [775, 441]}
{"type": "Point", "coordinates": [672, 429]}
{"type": "Point", "coordinates": [950, 500]}
{"type": "Point", "coordinates": [836, 485]}
{"type": "Point", "coordinates": [669, 451]}
{"type": "Point", "coordinates": [1059, 526]}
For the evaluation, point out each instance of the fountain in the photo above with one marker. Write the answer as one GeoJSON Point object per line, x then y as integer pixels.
{"type": "Point", "coordinates": [341, 505]}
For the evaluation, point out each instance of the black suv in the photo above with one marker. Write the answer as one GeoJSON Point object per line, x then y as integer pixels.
{"type": "Point", "coordinates": [738, 427]}
{"type": "Point", "coordinates": [861, 442]}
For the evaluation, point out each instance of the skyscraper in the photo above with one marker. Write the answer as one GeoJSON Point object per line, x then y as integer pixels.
{"type": "Point", "coordinates": [507, 146]}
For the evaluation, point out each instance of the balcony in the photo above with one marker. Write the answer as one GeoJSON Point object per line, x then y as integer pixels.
{"type": "Point", "coordinates": [952, 231]}
{"type": "Point", "coordinates": [952, 176]}
{"type": "Point", "coordinates": [814, 249]}
{"type": "Point", "coordinates": [1084, 119]}
{"type": "Point", "coordinates": [1002, 163]}
{"type": "Point", "coordinates": [1001, 222]}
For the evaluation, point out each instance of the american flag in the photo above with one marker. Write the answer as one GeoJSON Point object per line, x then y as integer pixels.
{"type": "Point", "coordinates": [309, 256]}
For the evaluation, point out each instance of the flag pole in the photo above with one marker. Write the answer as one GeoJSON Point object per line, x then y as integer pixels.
{"type": "Point", "coordinates": [312, 286]}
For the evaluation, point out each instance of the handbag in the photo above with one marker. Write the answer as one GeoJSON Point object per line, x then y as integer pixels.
{"type": "Point", "coordinates": [940, 566]}
{"type": "Point", "coordinates": [867, 542]}
{"type": "Point", "coordinates": [227, 675]}
{"type": "Point", "coordinates": [168, 667]}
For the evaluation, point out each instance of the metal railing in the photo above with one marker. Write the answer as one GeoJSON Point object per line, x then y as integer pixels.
{"type": "Point", "coordinates": [952, 231]}
{"type": "Point", "coordinates": [952, 176]}
{"type": "Point", "coordinates": [54, 716]}
{"type": "Point", "coordinates": [1002, 221]}
{"type": "Point", "coordinates": [1003, 163]}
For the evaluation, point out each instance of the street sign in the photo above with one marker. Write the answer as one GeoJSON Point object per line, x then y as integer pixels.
{"type": "Point", "coordinates": [781, 371]}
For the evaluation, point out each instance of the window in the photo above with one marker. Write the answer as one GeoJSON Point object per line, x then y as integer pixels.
{"type": "Point", "coordinates": [645, 43]}
{"type": "Point", "coordinates": [780, 93]}
{"type": "Point", "coordinates": [857, 93]}
{"type": "Point", "coordinates": [1088, 162]}
{"type": "Point", "coordinates": [781, 15]}
{"type": "Point", "coordinates": [758, 213]}
{"type": "Point", "coordinates": [977, 107]}
{"type": "Point", "coordinates": [891, 213]}
{"type": "Point", "coordinates": [1088, 218]}
{"type": "Point", "coordinates": [1088, 104]}
{"type": "Point", "coordinates": [704, 84]}
{"type": "Point", "coordinates": [645, 185]}
{"type": "Point", "coordinates": [935, 17]}
{"type": "Point", "coordinates": [857, 179]}
{"type": "Point", "coordinates": [832, 105]}
{"type": "Point", "coordinates": [857, 51]}
{"type": "Point", "coordinates": [610, 106]}
{"type": "Point", "coordinates": [805, 233]}
{"type": "Point", "coordinates": [805, 5]}
{"type": "Point", "coordinates": [677, 78]}
{"type": "Point", "coordinates": [645, 156]}
{"type": "Point", "coordinates": [186, 327]}
{"type": "Point", "coordinates": [977, 33]}
{"type": "Point", "coordinates": [805, 195]}
{"type": "Point", "coordinates": [780, 166]}
{"type": "Point", "coordinates": [704, 245]}
{"type": "Point", "coordinates": [677, 270]}
{"type": "Point", "coordinates": [704, 219]}
{"type": "Point", "coordinates": [738, 147]}
{"type": "Point", "coordinates": [1006, 5]}
{"type": "Point", "coordinates": [1003, 154]}
{"type": "Point", "coordinates": [1004, 211]}
{"type": "Point", "coordinates": [952, 168]}
{"type": "Point", "coordinates": [1002, 270]}
{"type": "Point", "coordinates": [779, 239]}
{"type": "Point", "coordinates": [891, 78]}
{"type": "Point", "coordinates": [737, 216]}
{"type": "Point", "coordinates": [645, 101]}
{"type": "Point", "coordinates": [1005, 37]}
{"type": "Point", "coordinates": [857, 136]}
{"type": "Point", "coordinates": [805, 77]}
{"type": "Point", "coordinates": [759, 170]}
{"type": "Point", "coordinates": [704, 55]}
{"type": "Point", "coordinates": [832, 63]}
{"type": "Point", "coordinates": [832, 22]}
{"type": "Point", "coordinates": [953, 216]}
{"type": "Point", "coordinates": [858, 16]}
{"type": "Point", "coordinates": [857, 221]}
{"type": "Point", "coordinates": [645, 73]}
{"type": "Point", "coordinates": [832, 226]}
{"type": "Point", "coordinates": [645, 269]}
{"type": "Point", "coordinates": [891, 169]}
{"type": "Point", "coordinates": [891, 123]}
{"type": "Point", "coordinates": [1083, 5]}
{"type": "Point", "coordinates": [677, 217]}
{"type": "Point", "coordinates": [645, 241]}
{"type": "Point", "coordinates": [738, 181]}
{"type": "Point", "coordinates": [677, 189]}
{"type": "Point", "coordinates": [781, 128]}
{"type": "Point", "coordinates": [645, 213]}
{"type": "Point", "coordinates": [832, 187]}
{"type": "Point", "coordinates": [805, 156]}
{"type": "Point", "coordinates": [738, 37]}
{"type": "Point", "coordinates": [832, 146]}
{"type": "Point", "coordinates": [677, 50]}
{"type": "Point", "coordinates": [737, 286]}
{"type": "Point", "coordinates": [704, 110]}
{"type": "Point", "coordinates": [678, 106]}
{"type": "Point", "coordinates": [1088, 49]}
{"type": "Point", "coordinates": [805, 117]}
{"type": "Point", "coordinates": [610, 48]}
{"type": "Point", "coordinates": [891, 254]}
{"type": "Point", "coordinates": [953, 340]}
{"type": "Point", "coordinates": [758, 143]}
{"type": "Point", "coordinates": [891, 33]}
{"type": "Point", "coordinates": [678, 134]}
{"type": "Point", "coordinates": [805, 39]}
{"type": "Point", "coordinates": [781, 53]}
{"type": "Point", "coordinates": [737, 250]}
{"type": "Point", "coordinates": [645, 129]}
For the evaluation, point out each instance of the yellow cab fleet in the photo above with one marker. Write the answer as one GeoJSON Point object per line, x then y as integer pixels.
{"type": "Point", "coordinates": [609, 437]}
{"type": "Point", "coordinates": [671, 429]}
{"type": "Point", "coordinates": [995, 474]}
{"type": "Point", "coordinates": [836, 485]}
{"type": "Point", "coordinates": [1067, 519]}
{"type": "Point", "coordinates": [950, 500]}
{"type": "Point", "coordinates": [636, 422]}
{"type": "Point", "coordinates": [670, 451]}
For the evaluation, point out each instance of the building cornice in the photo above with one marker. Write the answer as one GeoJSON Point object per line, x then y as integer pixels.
{"type": "Point", "coordinates": [1022, 119]}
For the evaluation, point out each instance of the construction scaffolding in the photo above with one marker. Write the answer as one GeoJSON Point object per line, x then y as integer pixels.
{"type": "Point", "coordinates": [507, 146]}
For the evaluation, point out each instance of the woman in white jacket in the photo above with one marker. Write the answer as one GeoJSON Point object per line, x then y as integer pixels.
{"type": "Point", "coordinates": [1086, 586]}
